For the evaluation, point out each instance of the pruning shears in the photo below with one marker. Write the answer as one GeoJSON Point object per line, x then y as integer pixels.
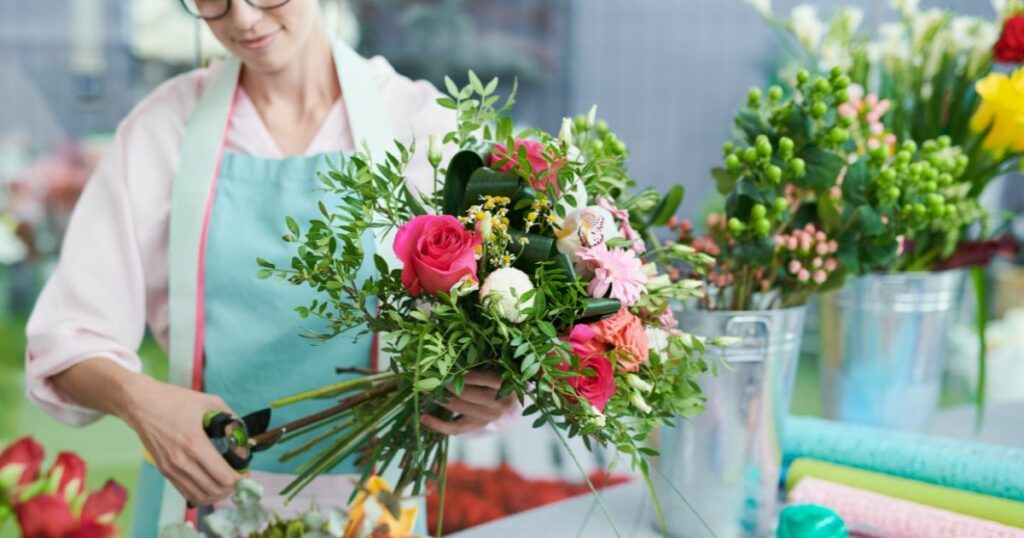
{"type": "Point", "coordinates": [238, 438]}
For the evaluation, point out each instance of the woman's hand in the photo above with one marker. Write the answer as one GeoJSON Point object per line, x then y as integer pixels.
{"type": "Point", "coordinates": [476, 407]}
{"type": "Point", "coordinates": [169, 421]}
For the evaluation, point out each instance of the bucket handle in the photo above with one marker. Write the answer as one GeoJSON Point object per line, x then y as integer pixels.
{"type": "Point", "coordinates": [746, 327]}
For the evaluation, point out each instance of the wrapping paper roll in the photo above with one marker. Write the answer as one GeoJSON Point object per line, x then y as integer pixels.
{"type": "Point", "coordinates": [966, 465]}
{"type": "Point", "coordinates": [962, 502]}
{"type": "Point", "coordinates": [871, 514]}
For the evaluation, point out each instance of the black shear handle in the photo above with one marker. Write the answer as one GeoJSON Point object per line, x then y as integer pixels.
{"type": "Point", "coordinates": [230, 437]}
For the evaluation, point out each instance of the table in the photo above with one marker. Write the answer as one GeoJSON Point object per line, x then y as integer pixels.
{"type": "Point", "coordinates": [630, 508]}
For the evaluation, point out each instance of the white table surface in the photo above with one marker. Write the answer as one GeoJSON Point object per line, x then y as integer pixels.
{"type": "Point", "coordinates": [630, 508]}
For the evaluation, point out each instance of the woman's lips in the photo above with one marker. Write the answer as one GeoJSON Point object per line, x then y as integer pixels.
{"type": "Point", "coordinates": [258, 43]}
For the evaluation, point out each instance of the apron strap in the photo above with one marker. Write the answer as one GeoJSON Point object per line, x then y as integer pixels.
{"type": "Point", "coordinates": [193, 191]}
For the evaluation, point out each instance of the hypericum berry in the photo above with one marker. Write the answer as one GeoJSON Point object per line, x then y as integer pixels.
{"type": "Point", "coordinates": [819, 110]}
{"type": "Point", "coordinates": [750, 155]}
{"type": "Point", "coordinates": [597, 146]}
{"type": "Point", "coordinates": [727, 147]}
{"type": "Point", "coordinates": [762, 227]}
{"type": "Point", "coordinates": [909, 145]}
{"type": "Point", "coordinates": [758, 211]}
{"type": "Point", "coordinates": [617, 147]}
{"type": "Point", "coordinates": [893, 193]}
{"type": "Point", "coordinates": [732, 163]}
{"type": "Point", "coordinates": [781, 205]}
{"type": "Point", "coordinates": [842, 96]}
{"type": "Point", "coordinates": [803, 76]}
{"type": "Point", "coordinates": [797, 167]}
{"type": "Point", "coordinates": [601, 126]}
{"type": "Point", "coordinates": [822, 86]}
{"type": "Point", "coordinates": [841, 83]}
{"type": "Point", "coordinates": [889, 175]}
{"type": "Point", "coordinates": [835, 72]}
{"type": "Point", "coordinates": [754, 97]}
{"type": "Point", "coordinates": [929, 186]}
{"type": "Point", "coordinates": [838, 135]}
{"type": "Point", "coordinates": [774, 173]}
{"type": "Point", "coordinates": [735, 226]}
{"type": "Point", "coordinates": [774, 93]}
{"type": "Point", "coordinates": [786, 144]}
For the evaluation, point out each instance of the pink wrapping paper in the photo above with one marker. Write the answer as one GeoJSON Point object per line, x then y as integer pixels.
{"type": "Point", "coordinates": [874, 515]}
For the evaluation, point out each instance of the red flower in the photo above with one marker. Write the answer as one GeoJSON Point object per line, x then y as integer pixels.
{"type": "Point", "coordinates": [70, 470]}
{"type": "Point", "coordinates": [103, 506]}
{"type": "Point", "coordinates": [436, 253]}
{"type": "Point", "coordinates": [23, 458]}
{"type": "Point", "coordinates": [596, 379]}
{"type": "Point", "coordinates": [1010, 47]}
{"type": "Point", "coordinates": [45, 516]}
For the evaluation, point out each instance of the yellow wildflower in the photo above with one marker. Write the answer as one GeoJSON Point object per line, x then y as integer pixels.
{"type": "Point", "coordinates": [531, 216]}
{"type": "Point", "coordinates": [1001, 112]}
{"type": "Point", "coordinates": [393, 525]}
{"type": "Point", "coordinates": [552, 219]}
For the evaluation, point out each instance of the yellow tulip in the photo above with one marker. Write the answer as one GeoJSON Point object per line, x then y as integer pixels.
{"type": "Point", "coordinates": [1001, 111]}
{"type": "Point", "coordinates": [378, 491]}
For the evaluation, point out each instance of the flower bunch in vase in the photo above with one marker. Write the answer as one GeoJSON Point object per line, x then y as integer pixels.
{"type": "Point", "coordinates": [526, 261]}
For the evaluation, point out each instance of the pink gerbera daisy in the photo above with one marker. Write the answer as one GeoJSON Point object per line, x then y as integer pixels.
{"type": "Point", "coordinates": [617, 273]}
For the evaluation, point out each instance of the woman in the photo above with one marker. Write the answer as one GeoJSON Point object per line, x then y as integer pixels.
{"type": "Point", "coordinates": [196, 184]}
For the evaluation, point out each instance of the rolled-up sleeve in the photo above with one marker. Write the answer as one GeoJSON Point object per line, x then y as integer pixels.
{"type": "Point", "coordinates": [94, 304]}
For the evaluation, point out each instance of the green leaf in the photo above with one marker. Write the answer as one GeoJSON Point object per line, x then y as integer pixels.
{"type": "Point", "coordinates": [668, 206]}
{"type": "Point", "coordinates": [264, 263]}
{"type": "Point", "coordinates": [449, 84]}
{"type": "Point", "coordinates": [595, 307]}
{"type": "Point", "coordinates": [474, 81]}
{"type": "Point", "coordinates": [485, 181]}
{"type": "Point", "coordinates": [446, 102]}
{"type": "Point", "coordinates": [538, 249]}
{"type": "Point", "coordinates": [381, 263]}
{"type": "Point", "coordinates": [798, 126]}
{"type": "Point", "coordinates": [461, 167]}
{"type": "Point", "coordinates": [855, 182]}
{"type": "Point", "coordinates": [822, 169]}
{"type": "Point", "coordinates": [458, 384]}
{"type": "Point", "coordinates": [428, 384]}
{"type": "Point", "coordinates": [724, 180]}
{"type": "Point", "coordinates": [293, 226]}
{"type": "Point", "coordinates": [829, 212]}
{"type": "Point", "coordinates": [264, 273]}
{"type": "Point", "coordinates": [751, 124]}
{"type": "Point", "coordinates": [759, 252]}
{"type": "Point", "coordinates": [869, 221]}
{"type": "Point", "coordinates": [415, 206]}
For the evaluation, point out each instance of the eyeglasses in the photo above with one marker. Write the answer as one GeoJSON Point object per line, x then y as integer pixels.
{"type": "Point", "coordinates": [215, 9]}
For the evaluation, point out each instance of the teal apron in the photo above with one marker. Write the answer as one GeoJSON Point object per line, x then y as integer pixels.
{"type": "Point", "coordinates": [231, 334]}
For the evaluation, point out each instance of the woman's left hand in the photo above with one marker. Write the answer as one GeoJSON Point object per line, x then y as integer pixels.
{"type": "Point", "coordinates": [476, 407]}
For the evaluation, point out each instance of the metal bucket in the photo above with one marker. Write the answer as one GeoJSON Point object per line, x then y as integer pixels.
{"type": "Point", "coordinates": [727, 460]}
{"type": "Point", "coordinates": [884, 342]}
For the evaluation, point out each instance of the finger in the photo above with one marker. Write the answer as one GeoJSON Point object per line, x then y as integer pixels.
{"type": "Point", "coordinates": [215, 466]}
{"type": "Point", "coordinates": [184, 484]}
{"type": "Point", "coordinates": [208, 488]}
{"type": "Point", "coordinates": [478, 395]}
{"type": "Point", "coordinates": [485, 413]}
{"type": "Point", "coordinates": [456, 427]}
{"type": "Point", "coordinates": [481, 378]}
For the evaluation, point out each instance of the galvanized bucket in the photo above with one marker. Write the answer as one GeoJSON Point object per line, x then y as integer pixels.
{"type": "Point", "coordinates": [884, 342]}
{"type": "Point", "coordinates": [726, 461]}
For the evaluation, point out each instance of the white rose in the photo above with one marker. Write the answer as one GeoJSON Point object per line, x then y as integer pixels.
{"type": "Point", "coordinates": [585, 228]}
{"type": "Point", "coordinates": [501, 292]}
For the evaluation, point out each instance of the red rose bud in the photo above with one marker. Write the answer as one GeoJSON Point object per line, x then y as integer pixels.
{"type": "Point", "coordinates": [103, 506]}
{"type": "Point", "coordinates": [45, 516]}
{"type": "Point", "coordinates": [20, 462]}
{"type": "Point", "coordinates": [1010, 47]}
{"type": "Point", "coordinates": [67, 476]}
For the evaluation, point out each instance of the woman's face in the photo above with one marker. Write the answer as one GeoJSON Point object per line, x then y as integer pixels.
{"type": "Point", "coordinates": [267, 39]}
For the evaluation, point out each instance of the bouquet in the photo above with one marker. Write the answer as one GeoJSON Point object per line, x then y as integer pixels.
{"type": "Point", "coordinates": [942, 75]}
{"type": "Point", "coordinates": [374, 513]}
{"type": "Point", "coordinates": [527, 261]}
{"type": "Point", "coordinates": [818, 188]}
{"type": "Point", "coordinates": [54, 503]}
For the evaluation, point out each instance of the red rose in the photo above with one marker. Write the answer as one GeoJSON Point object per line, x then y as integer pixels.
{"type": "Point", "coordinates": [1010, 47]}
{"type": "Point", "coordinates": [544, 171]}
{"type": "Point", "coordinates": [436, 253]}
{"type": "Point", "coordinates": [45, 516]}
{"type": "Point", "coordinates": [69, 471]}
{"type": "Point", "coordinates": [596, 379]}
{"type": "Point", "coordinates": [21, 459]}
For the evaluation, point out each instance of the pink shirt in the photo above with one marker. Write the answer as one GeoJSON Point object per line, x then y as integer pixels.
{"type": "Point", "coordinates": [111, 279]}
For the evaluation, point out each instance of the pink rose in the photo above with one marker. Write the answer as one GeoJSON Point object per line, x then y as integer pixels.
{"type": "Point", "coordinates": [596, 380]}
{"type": "Point", "coordinates": [544, 171]}
{"type": "Point", "coordinates": [436, 253]}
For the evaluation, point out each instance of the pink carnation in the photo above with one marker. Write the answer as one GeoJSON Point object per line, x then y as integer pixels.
{"type": "Point", "coordinates": [618, 273]}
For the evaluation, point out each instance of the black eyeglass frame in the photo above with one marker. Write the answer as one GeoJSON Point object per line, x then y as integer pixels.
{"type": "Point", "coordinates": [227, 9]}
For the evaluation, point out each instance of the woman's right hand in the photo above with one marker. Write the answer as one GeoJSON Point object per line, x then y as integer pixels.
{"type": "Point", "coordinates": [169, 421]}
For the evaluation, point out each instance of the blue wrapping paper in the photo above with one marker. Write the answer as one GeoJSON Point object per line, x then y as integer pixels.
{"type": "Point", "coordinates": [967, 465]}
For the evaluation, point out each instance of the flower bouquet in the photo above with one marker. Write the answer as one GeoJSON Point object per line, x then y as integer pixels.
{"type": "Point", "coordinates": [55, 503]}
{"type": "Point", "coordinates": [526, 261]}
{"type": "Point", "coordinates": [374, 513]}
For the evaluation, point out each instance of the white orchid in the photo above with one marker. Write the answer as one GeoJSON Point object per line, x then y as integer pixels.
{"type": "Point", "coordinates": [585, 228]}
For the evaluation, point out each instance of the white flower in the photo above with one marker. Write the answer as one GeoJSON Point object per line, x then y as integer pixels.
{"type": "Point", "coordinates": [657, 340]}
{"type": "Point", "coordinates": [639, 402]}
{"type": "Point", "coordinates": [464, 286]}
{"type": "Point", "coordinates": [502, 291]}
{"type": "Point", "coordinates": [486, 226]}
{"type": "Point", "coordinates": [764, 7]}
{"type": "Point", "coordinates": [905, 7]}
{"type": "Point", "coordinates": [592, 116]}
{"type": "Point", "coordinates": [806, 25]}
{"type": "Point", "coordinates": [657, 282]}
{"type": "Point", "coordinates": [577, 191]}
{"type": "Point", "coordinates": [433, 150]}
{"type": "Point", "coordinates": [586, 228]}
{"type": "Point", "coordinates": [634, 381]}
{"type": "Point", "coordinates": [725, 341]}
{"type": "Point", "coordinates": [597, 417]}
{"type": "Point", "coordinates": [565, 134]}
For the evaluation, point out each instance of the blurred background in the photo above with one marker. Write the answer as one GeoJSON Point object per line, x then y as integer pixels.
{"type": "Point", "coordinates": [666, 74]}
